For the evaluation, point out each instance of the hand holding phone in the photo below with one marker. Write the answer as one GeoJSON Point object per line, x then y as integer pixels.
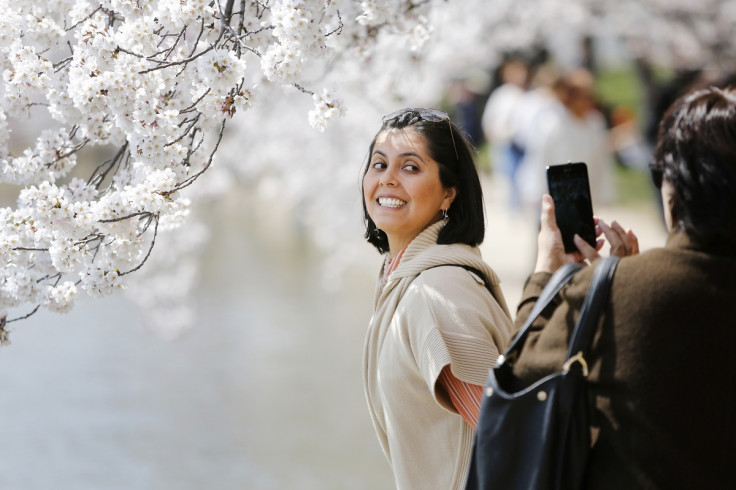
{"type": "Point", "coordinates": [569, 187]}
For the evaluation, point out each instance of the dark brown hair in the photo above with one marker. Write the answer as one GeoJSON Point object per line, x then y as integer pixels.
{"type": "Point", "coordinates": [696, 152]}
{"type": "Point", "coordinates": [449, 147]}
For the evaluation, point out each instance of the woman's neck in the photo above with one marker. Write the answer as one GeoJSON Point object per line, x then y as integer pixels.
{"type": "Point", "coordinates": [395, 247]}
{"type": "Point", "coordinates": [393, 262]}
{"type": "Point", "coordinates": [398, 243]}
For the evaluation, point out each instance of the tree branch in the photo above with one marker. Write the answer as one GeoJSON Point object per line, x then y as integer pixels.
{"type": "Point", "coordinates": [150, 249]}
{"type": "Point", "coordinates": [187, 182]}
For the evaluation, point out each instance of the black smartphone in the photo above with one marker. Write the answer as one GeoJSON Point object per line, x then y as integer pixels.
{"type": "Point", "coordinates": [569, 187]}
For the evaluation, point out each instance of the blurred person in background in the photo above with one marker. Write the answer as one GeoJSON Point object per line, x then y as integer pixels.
{"type": "Point", "coordinates": [530, 108]}
{"type": "Point", "coordinates": [662, 382]}
{"type": "Point", "coordinates": [574, 131]}
{"type": "Point", "coordinates": [497, 120]}
{"type": "Point", "coordinates": [440, 319]}
{"type": "Point", "coordinates": [627, 140]}
{"type": "Point", "coordinates": [465, 112]}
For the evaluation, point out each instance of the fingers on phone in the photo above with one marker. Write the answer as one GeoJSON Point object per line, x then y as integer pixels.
{"type": "Point", "coordinates": [548, 219]}
{"type": "Point", "coordinates": [584, 247]}
{"type": "Point", "coordinates": [618, 228]}
{"type": "Point", "coordinates": [617, 241]}
{"type": "Point", "coordinates": [579, 258]}
{"type": "Point", "coordinates": [634, 241]}
{"type": "Point", "coordinates": [622, 242]}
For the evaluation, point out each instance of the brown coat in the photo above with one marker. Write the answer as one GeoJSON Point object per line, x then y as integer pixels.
{"type": "Point", "coordinates": [663, 368]}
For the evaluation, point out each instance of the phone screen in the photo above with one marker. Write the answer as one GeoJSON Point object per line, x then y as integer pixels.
{"type": "Point", "coordinates": [568, 185]}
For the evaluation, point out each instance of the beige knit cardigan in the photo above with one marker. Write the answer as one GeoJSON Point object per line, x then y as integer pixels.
{"type": "Point", "coordinates": [426, 317]}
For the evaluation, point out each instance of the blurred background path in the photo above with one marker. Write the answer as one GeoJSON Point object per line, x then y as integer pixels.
{"type": "Point", "coordinates": [265, 393]}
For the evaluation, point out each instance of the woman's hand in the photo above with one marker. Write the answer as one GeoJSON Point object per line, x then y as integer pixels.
{"type": "Point", "coordinates": [623, 242]}
{"type": "Point", "coordinates": [551, 251]}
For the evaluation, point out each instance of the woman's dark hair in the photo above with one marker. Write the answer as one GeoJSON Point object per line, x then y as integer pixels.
{"type": "Point", "coordinates": [449, 147]}
{"type": "Point", "coordinates": [696, 153]}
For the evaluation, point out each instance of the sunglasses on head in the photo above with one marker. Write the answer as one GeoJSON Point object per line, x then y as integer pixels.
{"type": "Point", "coordinates": [657, 172]}
{"type": "Point", "coordinates": [429, 115]}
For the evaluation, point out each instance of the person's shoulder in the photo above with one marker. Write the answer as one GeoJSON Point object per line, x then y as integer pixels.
{"type": "Point", "coordinates": [651, 262]}
{"type": "Point", "coordinates": [677, 262]}
{"type": "Point", "coordinates": [441, 274]}
{"type": "Point", "coordinates": [449, 283]}
{"type": "Point", "coordinates": [629, 270]}
{"type": "Point", "coordinates": [635, 267]}
{"type": "Point", "coordinates": [642, 276]}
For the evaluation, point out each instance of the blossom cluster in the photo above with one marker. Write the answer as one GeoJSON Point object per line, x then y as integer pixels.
{"type": "Point", "coordinates": [150, 86]}
{"type": "Point", "coordinates": [326, 106]}
{"type": "Point", "coordinates": [111, 110]}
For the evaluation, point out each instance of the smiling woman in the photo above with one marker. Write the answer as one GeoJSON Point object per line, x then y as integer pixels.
{"type": "Point", "coordinates": [402, 188]}
{"type": "Point", "coordinates": [440, 319]}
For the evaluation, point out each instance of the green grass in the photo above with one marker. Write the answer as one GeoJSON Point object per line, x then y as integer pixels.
{"type": "Point", "coordinates": [615, 87]}
{"type": "Point", "coordinates": [621, 87]}
{"type": "Point", "coordinates": [633, 187]}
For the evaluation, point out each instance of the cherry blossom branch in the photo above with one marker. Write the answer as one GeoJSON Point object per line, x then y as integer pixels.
{"type": "Point", "coordinates": [187, 182]}
{"type": "Point", "coordinates": [100, 173]}
{"type": "Point", "coordinates": [4, 340]}
{"type": "Point", "coordinates": [155, 219]}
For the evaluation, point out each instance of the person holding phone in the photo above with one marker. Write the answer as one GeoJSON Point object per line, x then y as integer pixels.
{"type": "Point", "coordinates": [439, 320]}
{"type": "Point", "coordinates": [662, 377]}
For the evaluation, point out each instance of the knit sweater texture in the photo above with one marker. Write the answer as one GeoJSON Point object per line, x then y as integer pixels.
{"type": "Point", "coordinates": [430, 314]}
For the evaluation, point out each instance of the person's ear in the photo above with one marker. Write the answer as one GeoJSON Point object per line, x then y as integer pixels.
{"type": "Point", "coordinates": [667, 194]}
{"type": "Point", "coordinates": [450, 195]}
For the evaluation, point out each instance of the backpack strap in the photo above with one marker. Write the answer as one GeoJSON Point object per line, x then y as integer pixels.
{"type": "Point", "coordinates": [595, 301]}
{"type": "Point", "coordinates": [561, 277]}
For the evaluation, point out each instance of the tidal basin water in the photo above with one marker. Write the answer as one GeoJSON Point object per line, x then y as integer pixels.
{"type": "Point", "coordinates": [264, 393]}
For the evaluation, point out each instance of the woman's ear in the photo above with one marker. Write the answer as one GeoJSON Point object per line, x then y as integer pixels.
{"type": "Point", "coordinates": [667, 193]}
{"type": "Point", "coordinates": [450, 195]}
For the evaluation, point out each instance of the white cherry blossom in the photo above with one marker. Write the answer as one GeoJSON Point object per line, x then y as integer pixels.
{"type": "Point", "coordinates": [112, 111]}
